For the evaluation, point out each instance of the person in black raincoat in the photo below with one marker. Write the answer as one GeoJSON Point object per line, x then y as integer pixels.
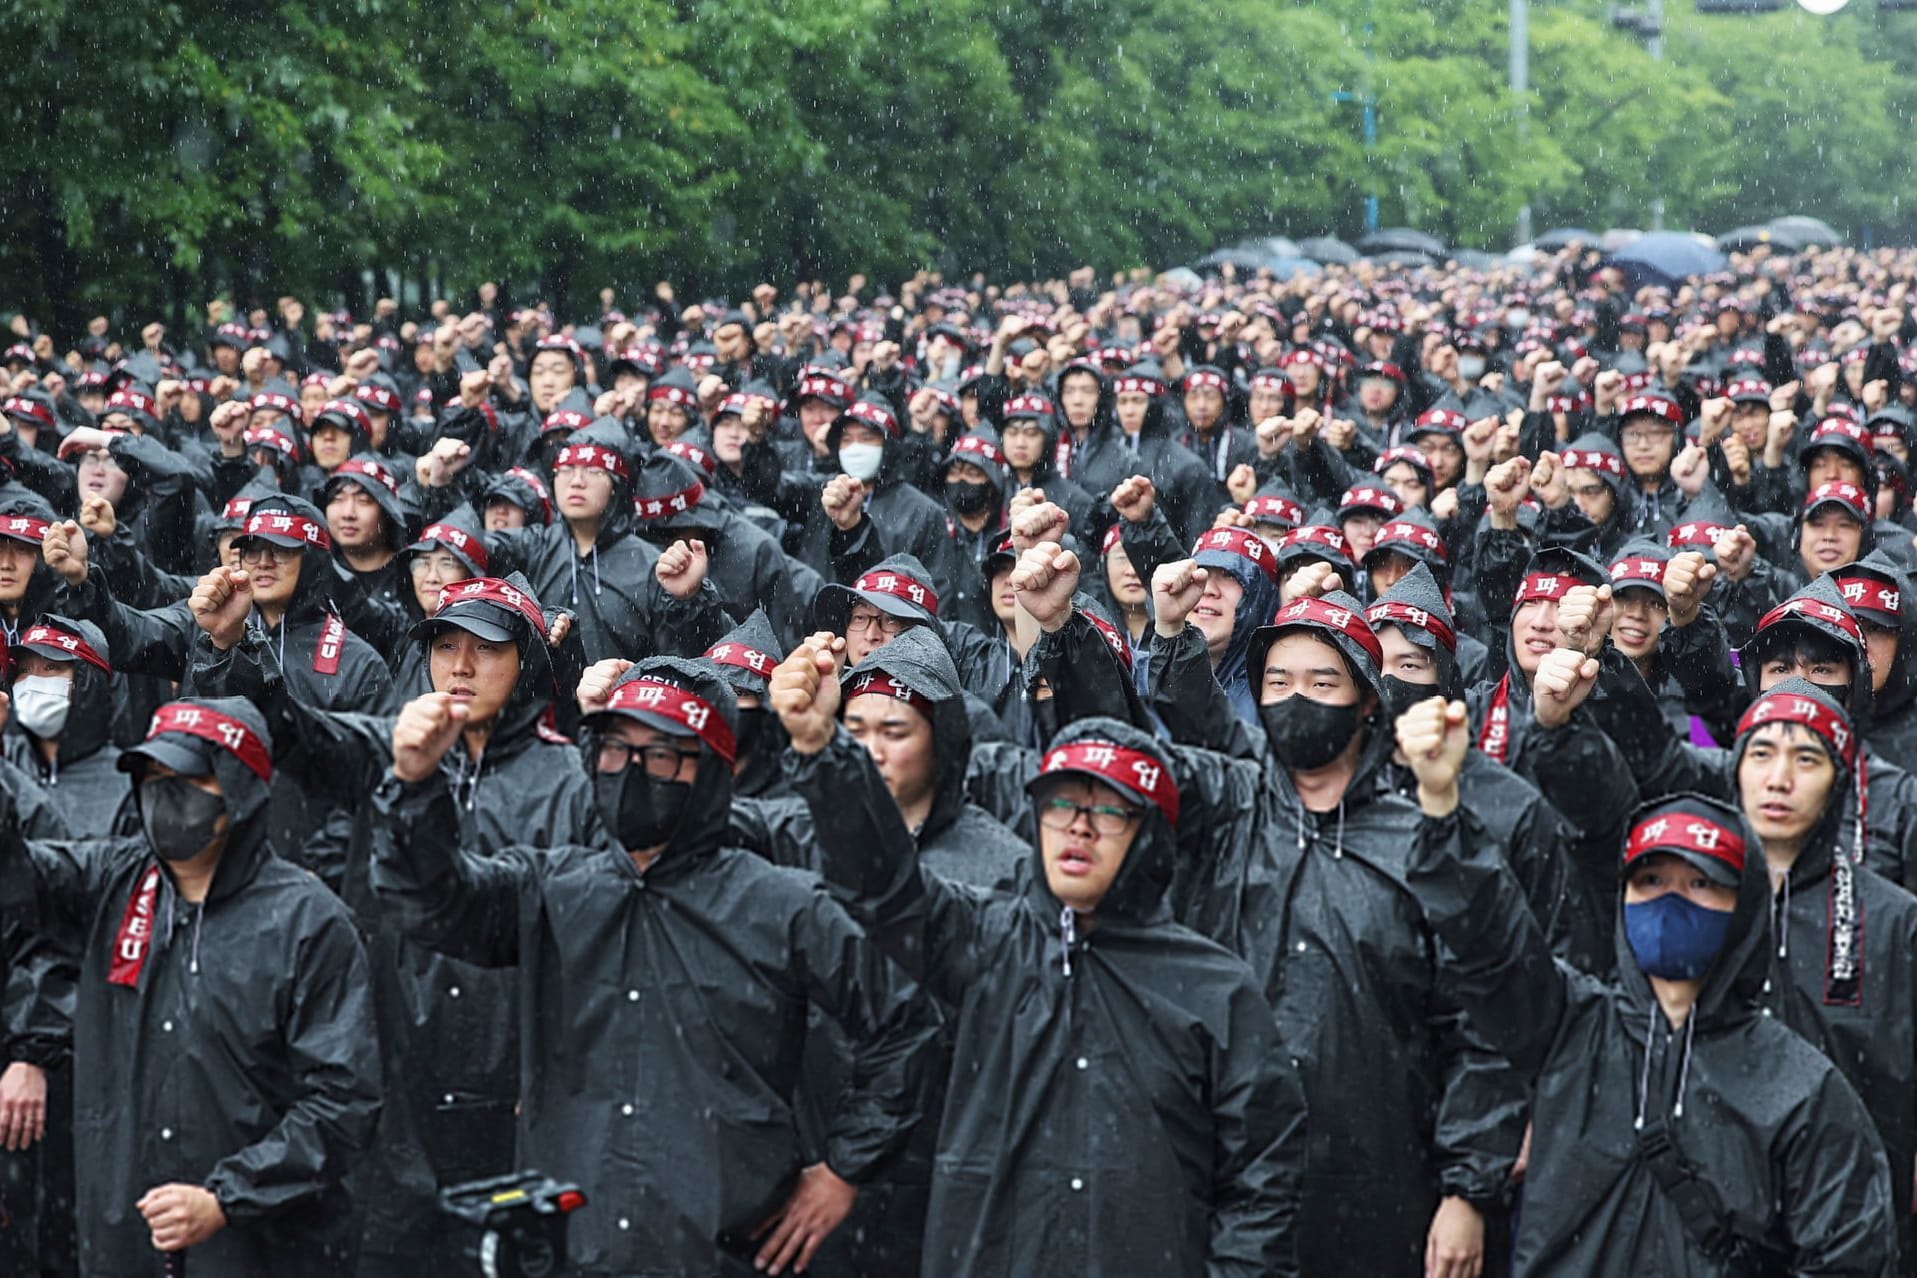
{"type": "Point", "coordinates": [665, 980]}
{"type": "Point", "coordinates": [291, 579]}
{"type": "Point", "coordinates": [60, 679]}
{"type": "Point", "coordinates": [1029, 437]}
{"type": "Point", "coordinates": [745, 656]}
{"type": "Point", "coordinates": [895, 595]}
{"type": "Point", "coordinates": [1295, 862]}
{"type": "Point", "coordinates": [226, 1064]}
{"type": "Point", "coordinates": [1120, 1104]}
{"type": "Point", "coordinates": [1136, 439]}
{"type": "Point", "coordinates": [1676, 1130]}
{"type": "Point", "coordinates": [1878, 592]}
{"type": "Point", "coordinates": [449, 1031]}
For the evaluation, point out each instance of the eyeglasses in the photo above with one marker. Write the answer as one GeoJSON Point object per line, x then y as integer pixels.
{"type": "Point", "coordinates": [888, 625]}
{"type": "Point", "coordinates": [1106, 818]}
{"type": "Point", "coordinates": [258, 552]}
{"type": "Point", "coordinates": [661, 762]}
{"type": "Point", "coordinates": [1654, 435]}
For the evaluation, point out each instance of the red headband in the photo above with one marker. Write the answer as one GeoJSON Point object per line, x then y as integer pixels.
{"type": "Point", "coordinates": [66, 641]}
{"type": "Point", "coordinates": [266, 399]}
{"type": "Point", "coordinates": [1868, 592]}
{"type": "Point", "coordinates": [567, 419]}
{"type": "Point", "coordinates": [1282, 509]}
{"type": "Point", "coordinates": [1784, 707]}
{"type": "Point", "coordinates": [1638, 570]}
{"type": "Point", "coordinates": [1798, 606]}
{"type": "Point", "coordinates": [227, 733]}
{"type": "Point", "coordinates": [669, 504]}
{"type": "Point", "coordinates": [898, 586]}
{"type": "Point", "coordinates": [280, 523]}
{"type": "Point", "coordinates": [351, 409]}
{"type": "Point", "coordinates": [1272, 381]}
{"type": "Point", "coordinates": [1545, 585]}
{"type": "Point", "coordinates": [493, 591]}
{"type": "Point", "coordinates": [1677, 831]}
{"type": "Point", "coordinates": [1317, 612]}
{"type": "Point", "coordinates": [1138, 386]}
{"type": "Point", "coordinates": [1592, 459]}
{"type": "Point", "coordinates": [1317, 535]}
{"type": "Point", "coordinates": [1206, 381]}
{"type": "Point", "coordinates": [459, 539]}
{"type": "Point", "coordinates": [1390, 610]}
{"type": "Point", "coordinates": [1696, 534]}
{"type": "Point", "coordinates": [1028, 406]}
{"type": "Point", "coordinates": [24, 528]}
{"type": "Point", "coordinates": [873, 415]}
{"type": "Point", "coordinates": [139, 403]}
{"type": "Point", "coordinates": [655, 696]}
{"type": "Point", "coordinates": [698, 456]}
{"type": "Point", "coordinates": [880, 684]}
{"type": "Point", "coordinates": [1655, 405]}
{"type": "Point", "coordinates": [1236, 541]}
{"type": "Point", "coordinates": [378, 398]}
{"type": "Point", "coordinates": [1403, 531]}
{"type": "Point", "coordinates": [592, 455]}
{"type": "Point", "coordinates": [373, 471]}
{"type": "Point", "coordinates": [822, 387]}
{"type": "Point", "coordinates": [742, 657]}
{"type": "Point", "coordinates": [978, 447]}
{"type": "Point", "coordinates": [672, 395]}
{"type": "Point", "coordinates": [1402, 453]}
{"type": "Point", "coordinates": [20, 406]}
{"type": "Point", "coordinates": [1369, 497]}
{"type": "Point", "coordinates": [270, 437]}
{"type": "Point", "coordinates": [1113, 640]}
{"type": "Point", "coordinates": [1850, 496]}
{"type": "Point", "coordinates": [1129, 770]}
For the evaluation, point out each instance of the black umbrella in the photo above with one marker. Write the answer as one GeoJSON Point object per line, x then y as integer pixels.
{"type": "Point", "coordinates": [1477, 260]}
{"type": "Point", "coordinates": [1401, 257]}
{"type": "Point", "coordinates": [1809, 231]}
{"type": "Point", "coordinates": [1402, 238]}
{"type": "Point", "coordinates": [1565, 237]}
{"type": "Point", "coordinates": [1327, 248]}
{"type": "Point", "coordinates": [1243, 259]}
{"type": "Point", "coordinates": [1749, 237]}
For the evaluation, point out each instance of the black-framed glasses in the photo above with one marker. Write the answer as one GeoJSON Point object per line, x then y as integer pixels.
{"type": "Point", "coordinates": [256, 552]}
{"type": "Point", "coordinates": [661, 762]}
{"type": "Point", "coordinates": [885, 621]}
{"type": "Point", "coordinates": [1106, 818]}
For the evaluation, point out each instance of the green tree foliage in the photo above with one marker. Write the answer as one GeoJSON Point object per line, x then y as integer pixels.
{"type": "Point", "coordinates": [157, 152]}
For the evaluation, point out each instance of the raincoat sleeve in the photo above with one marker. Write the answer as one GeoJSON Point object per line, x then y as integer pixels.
{"type": "Point", "coordinates": [1084, 675]}
{"type": "Point", "coordinates": [131, 576]}
{"type": "Point", "coordinates": [1259, 1151]}
{"type": "Point", "coordinates": [687, 627]}
{"type": "Point", "coordinates": [332, 1054]}
{"type": "Point", "coordinates": [444, 897]}
{"type": "Point", "coordinates": [1699, 656]}
{"type": "Point", "coordinates": [153, 642]}
{"type": "Point", "coordinates": [36, 1005]}
{"type": "Point", "coordinates": [1657, 761]}
{"type": "Point", "coordinates": [1319, 473]}
{"type": "Point", "coordinates": [1185, 694]}
{"type": "Point", "coordinates": [778, 829]}
{"type": "Point", "coordinates": [170, 479]}
{"type": "Point", "coordinates": [55, 885]}
{"type": "Point", "coordinates": [1840, 1202]}
{"type": "Point", "coordinates": [995, 779]}
{"type": "Point", "coordinates": [1540, 842]}
{"type": "Point", "coordinates": [1496, 965]}
{"type": "Point", "coordinates": [1581, 772]}
{"type": "Point", "coordinates": [44, 473]}
{"type": "Point", "coordinates": [931, 929]}
{"type": "Point", "coordinates": [893, 1032]}
{"type": "Point", "coordinates": [340, 755]}
{"type": "Point", "coordinates": [1481, 1110]}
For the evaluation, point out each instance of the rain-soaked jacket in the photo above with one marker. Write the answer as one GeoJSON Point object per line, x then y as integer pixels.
{"type": "Point", "coordinates": [242, 1055]}
{"type": "Point", "coordinates": [325, 663]}
{"type": "Point", "coordinates": [83, 779]}
{"type": "Point", "coordinates": [619, 607]}
{"type": "Point", "coordinates": [1752, 1110]}
{"type": "Point", "coordinates": [1317, 904]}
{"type": "Point", "coordinates": [1121, 1105]}
{"type": "Point", "coordinates": [448, 1030]}
{"type": "Point", "coordinates": [663, 1013]}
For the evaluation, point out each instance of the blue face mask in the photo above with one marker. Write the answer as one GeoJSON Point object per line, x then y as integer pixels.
{"type": "Point", "coordinates": [1673, 937]}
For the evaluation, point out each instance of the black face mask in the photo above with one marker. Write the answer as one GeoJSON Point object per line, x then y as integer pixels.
{"type": "Point", "coordinates": [178, 817]}
{"type": "Point", "coordinates": [1306, 734]}
{"type": "Point", "coordinates": [967, 498]}
{"type": "Point", "coordinates": [1399, 696]}
{"type": "Point", "coordinates": [751, 732]}
{"type": "Point", "coordinates": [641, 811]}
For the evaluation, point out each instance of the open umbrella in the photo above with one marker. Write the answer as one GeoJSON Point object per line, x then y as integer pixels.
{"type": "Point", "coordinates": [1181, 279]}
{"type": "Point", "coordinates": [1243, 259]}
{"type": "Point", "coordinates": [1327, 248]}
{"type": "Point", "coordinates": [1667, 257]}
{"type": "Point", "coordinates": [1565, 237]}
{"type": "Point", "coordinates": [1270, 247]}
{"type": "Point", "coordinates": [1402, 238]}
{"type": "Point", "coordinates": [1749, 237]}
{"type": "Point", "coordinates": [1477, 259]}
{"type": "Point", "coordinates": [1400, 257]}
{"type": "Point", "coordinates": [1811, 232]}
{"type": "Point", "coordinates": [1285, 267]}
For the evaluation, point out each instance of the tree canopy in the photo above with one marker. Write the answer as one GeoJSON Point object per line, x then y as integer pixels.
{"type": "Point", "coordinates": [158, 152]}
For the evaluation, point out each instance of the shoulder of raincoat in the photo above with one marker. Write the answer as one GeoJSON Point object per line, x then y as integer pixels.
{"type": "Point", "coordinates": [1138, 1103]}
{"type": "Point", "coordinates": [1787, 1148]}
{"type": "Point", "coordinates": [703, 967]}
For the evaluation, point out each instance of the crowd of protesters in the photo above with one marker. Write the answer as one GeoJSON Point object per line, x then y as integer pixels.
{"type": "Point", "coordinates": [1392, 771]}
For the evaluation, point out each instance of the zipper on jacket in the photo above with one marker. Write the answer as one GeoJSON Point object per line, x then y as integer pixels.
{"type": "Point", "coordinates": [1068, 936]}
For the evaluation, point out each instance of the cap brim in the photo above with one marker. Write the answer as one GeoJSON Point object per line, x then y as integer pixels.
{"type": "Point", "coordinates": [1834, 504]}
{"type": "Point", "coordinates": [273, 539]}
{"type": "Point", "coordinates": [1621, 584]}
{"type": "Point", "coordinates": [1718, 872]}
{"type": "Point", "coordinates": [671, 727]}
{"type": "Point", "coordinates": [188, 756]}
{"type": "Point", "coordinates": [478, 627]}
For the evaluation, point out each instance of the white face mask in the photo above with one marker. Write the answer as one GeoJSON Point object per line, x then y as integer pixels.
{"type": "Point", "coordinates": [1517, 319]}
{"type": "Point", "coordinates": [861, 461]}
{"type": "Point", "coordinates": [1471, 367]}
{"type": "Point", "coordinates": [41, 702]}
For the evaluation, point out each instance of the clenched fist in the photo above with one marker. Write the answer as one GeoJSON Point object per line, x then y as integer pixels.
{"type": "Point", "coordinates": [220, 603]}
{"type": "Point", "coordinates": [1176, 589]}
{"type": "Point", "coordinates": [1564, 679]}
{"type": "Point", "coordinates": [425, 730]}
{"type": "Point", "coordinates": [682, 568]}
{"type": "Point", "coordinates": [1433, 736]}
{"type": "Point", "coordinates": [805, 695]}
{"type": "Point", "coordinates": [1044, 581]}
